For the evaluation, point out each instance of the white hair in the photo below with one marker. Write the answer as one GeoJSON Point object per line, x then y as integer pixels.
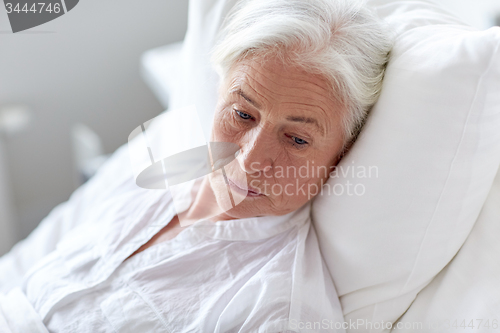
{"type": "Point", "coordinates": [340, 39]}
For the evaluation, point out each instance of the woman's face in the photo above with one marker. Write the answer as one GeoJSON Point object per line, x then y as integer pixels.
{"type": "Point", "coordinates": [288, 128]}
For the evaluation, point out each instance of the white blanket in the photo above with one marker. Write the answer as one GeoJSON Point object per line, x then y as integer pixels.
{"type": "Point", "coordinates": [17, 315]}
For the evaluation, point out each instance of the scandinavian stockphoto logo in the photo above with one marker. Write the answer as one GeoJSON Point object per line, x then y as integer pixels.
{"type": "Point", "coordinates": [26, 14]}
{"type": "Point", "coordinates": [171, 152]}
{"type": "Point", "coordinates": [179, 158]}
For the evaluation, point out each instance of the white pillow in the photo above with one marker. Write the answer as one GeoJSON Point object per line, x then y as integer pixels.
{"type": "Point", "coordinates": [198, 83]}
{"type": "Point", "coordinates": [466, 292]}
{"type": "Point", "coordinates": [434, 138]}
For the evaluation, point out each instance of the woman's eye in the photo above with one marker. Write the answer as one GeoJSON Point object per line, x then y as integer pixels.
{"type": "Point", "coordinates": [299, 141]}
{"type": "Point", "coordinates": [243, 115]}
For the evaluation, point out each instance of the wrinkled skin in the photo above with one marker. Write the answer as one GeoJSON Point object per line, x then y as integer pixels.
{"type": "Point", "coordinates": [282, 118]}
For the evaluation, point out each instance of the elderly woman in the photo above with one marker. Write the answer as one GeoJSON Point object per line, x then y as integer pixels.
{"type": "Point", "coordinates": [297, 80]}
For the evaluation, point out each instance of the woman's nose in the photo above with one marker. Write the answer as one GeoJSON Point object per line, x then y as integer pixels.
{"type": "Point", "coordinates": [256, 154]}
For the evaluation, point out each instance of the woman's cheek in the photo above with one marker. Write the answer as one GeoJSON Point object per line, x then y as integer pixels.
{"type": "Point", "coordinates": [221, 126]}
{"type": "Point", "coordinates": [229, 129]}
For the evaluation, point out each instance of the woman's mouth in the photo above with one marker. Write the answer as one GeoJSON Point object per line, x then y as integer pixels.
{"type": "Point", "coordinates": [248, 191]}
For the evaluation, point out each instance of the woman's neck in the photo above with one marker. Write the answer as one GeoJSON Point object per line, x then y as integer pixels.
{"type": "Point", "coordinates": [204, 205]}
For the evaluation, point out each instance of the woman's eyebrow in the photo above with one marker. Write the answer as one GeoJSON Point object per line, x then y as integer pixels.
{"type": "Point", "coordinates": [240, 92]}
{"type": "Point", "coordinates": [306, 120]}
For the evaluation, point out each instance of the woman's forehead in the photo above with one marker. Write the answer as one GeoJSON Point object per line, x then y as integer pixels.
{"type": "Point", "coordinates": [275, 85]}
{"type": "Point", "coordinates": [273, 73]}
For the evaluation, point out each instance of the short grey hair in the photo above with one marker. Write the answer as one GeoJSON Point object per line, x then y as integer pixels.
{"type": "Point", "coordinates": [341, 39]}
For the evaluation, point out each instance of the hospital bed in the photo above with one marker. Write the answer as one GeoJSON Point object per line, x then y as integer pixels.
{"type": "Point", "coordinates": [419, 250]}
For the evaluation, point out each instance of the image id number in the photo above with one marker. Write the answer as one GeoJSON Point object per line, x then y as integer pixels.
{"type": "Point", "coordinates": [36, 8]}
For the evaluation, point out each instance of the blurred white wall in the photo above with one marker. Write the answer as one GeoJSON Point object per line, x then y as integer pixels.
{"type": "Point", "coordinates": [82, 67]}
{"type": "Point", "coordinates": [7, 235]}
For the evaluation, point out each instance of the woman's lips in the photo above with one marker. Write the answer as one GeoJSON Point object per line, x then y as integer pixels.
{"type": "Point", "coordinates": [248, 191]}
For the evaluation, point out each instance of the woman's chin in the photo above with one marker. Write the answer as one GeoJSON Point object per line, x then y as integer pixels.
{"type": "Point", "coordinates": [235, 203]}
{"type": "Point", "coordinates": [238, 206]}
